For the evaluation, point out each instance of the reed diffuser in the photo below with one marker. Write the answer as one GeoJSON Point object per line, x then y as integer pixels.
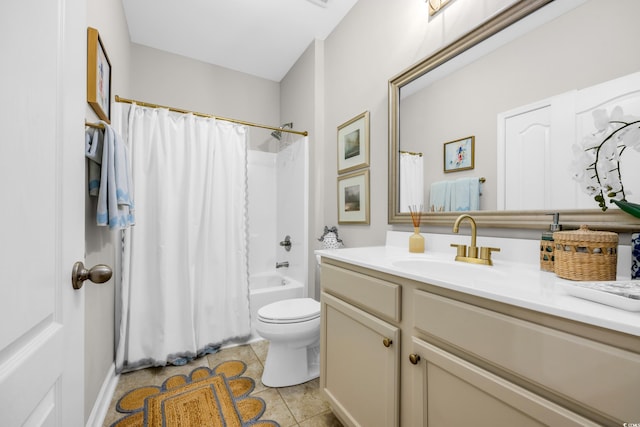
{"type": "Point", "coordinates": [416, 240]}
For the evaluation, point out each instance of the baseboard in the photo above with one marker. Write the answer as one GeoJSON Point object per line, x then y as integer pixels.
{"type": "Point", "coordinates": [101, 405]}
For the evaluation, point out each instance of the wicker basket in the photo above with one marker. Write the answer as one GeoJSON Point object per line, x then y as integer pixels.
{"type": "Point", "coordinates": [585, 254]}
{"type": "Point", "coordinates": [546, 255]}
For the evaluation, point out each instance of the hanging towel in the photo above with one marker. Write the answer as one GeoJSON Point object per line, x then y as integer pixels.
{"type": "Point", "coordinates": [474, 194]}
{"type": "Point", "coordinates": [440, 196]}
{"type": "Point", "coordinates": [114, 189]}
{"type": "Point", "coordinates": [93, 152]}
{"type": "Point", "coordinates": [465, 194]}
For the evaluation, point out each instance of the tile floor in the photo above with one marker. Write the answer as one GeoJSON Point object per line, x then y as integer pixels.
{"type": "Point", "coordinates": [300, 405]}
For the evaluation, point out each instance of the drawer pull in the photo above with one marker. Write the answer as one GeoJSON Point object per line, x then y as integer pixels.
{"type": "Point", "coordinates": [414, 358]}
{"type": "Point", "coordinates": [387, 342]}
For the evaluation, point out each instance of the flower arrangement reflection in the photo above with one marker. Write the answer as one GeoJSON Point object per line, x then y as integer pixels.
{"type": "Point", "coordinates": [596, 163]}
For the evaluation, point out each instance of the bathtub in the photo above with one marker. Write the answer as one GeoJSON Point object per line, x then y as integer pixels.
{"type": "Point", "coordinates": [268, 287]}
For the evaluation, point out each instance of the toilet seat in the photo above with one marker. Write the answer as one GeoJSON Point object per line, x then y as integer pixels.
{"type": "Point", "coordinates": [294, 310]}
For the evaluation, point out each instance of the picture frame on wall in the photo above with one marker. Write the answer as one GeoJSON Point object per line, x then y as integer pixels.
{"type": "Point", "coordinates": [459, 154]}
{"type": "Point", "coordinates": [353, 144]}
{"type": "Point", "coordinates": [98, 76]}
{"type": "Point", "coordinates": [353, 198]}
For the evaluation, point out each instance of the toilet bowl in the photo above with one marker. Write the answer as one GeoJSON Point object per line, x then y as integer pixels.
{"type": "Point", "coordinates": [292, 328]}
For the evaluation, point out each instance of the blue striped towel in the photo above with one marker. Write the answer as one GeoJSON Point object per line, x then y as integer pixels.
{"type": "Point", "coordinates": [114, 189]}
{"type": "Point", "coordinates": [93, 152]}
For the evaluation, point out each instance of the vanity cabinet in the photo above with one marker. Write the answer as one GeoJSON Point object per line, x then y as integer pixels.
{"type": "Point", "coordinates": [458, 359]}
{"type": "Point", "coordinates": [359, 373]}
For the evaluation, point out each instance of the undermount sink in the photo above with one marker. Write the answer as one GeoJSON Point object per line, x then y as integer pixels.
{"type": "Point", "coordinates": [437, 268]}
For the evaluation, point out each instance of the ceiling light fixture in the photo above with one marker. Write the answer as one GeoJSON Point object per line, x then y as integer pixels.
{"type": "Point", "coordinates": [321, 3]}
{"type": "Point", "coordinates": [435, 5]}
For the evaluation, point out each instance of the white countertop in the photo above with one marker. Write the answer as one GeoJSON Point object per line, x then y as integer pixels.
{"type": "Point", "coordinates": [519, 284]}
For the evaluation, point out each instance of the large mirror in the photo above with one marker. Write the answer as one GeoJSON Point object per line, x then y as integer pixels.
{"type": "Point", "coordinates": [533, 54]}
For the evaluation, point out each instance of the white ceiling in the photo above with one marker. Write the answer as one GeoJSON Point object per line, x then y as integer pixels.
{"type": "Point", "coordinates": [259, 37]}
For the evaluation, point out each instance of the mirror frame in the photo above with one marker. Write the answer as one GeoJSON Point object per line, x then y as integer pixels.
{"type": "Point", "coordinates": [613, 219]}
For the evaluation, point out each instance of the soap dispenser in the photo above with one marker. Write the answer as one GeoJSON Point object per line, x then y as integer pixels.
{"type": "Point", "coordinates": [546, 244]}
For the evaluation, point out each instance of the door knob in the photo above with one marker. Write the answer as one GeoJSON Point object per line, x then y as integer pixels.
{"type": "Point", "coordinates": [387, 342]}
{"type": "Point", "coordinates": [97, 274]}
{"type": "Point", "coordinates": [414, 358]}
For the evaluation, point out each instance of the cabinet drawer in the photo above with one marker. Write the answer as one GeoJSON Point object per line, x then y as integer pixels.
{"type": "Point", "coordinates": [374, 295]}
{"type": "Point", "coordinates": [601, 377]}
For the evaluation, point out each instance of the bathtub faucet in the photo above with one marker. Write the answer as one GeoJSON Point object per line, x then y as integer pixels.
{"type": "Point", "coordinates": [282, 264]}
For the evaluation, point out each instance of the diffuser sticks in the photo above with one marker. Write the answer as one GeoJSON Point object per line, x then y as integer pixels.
{"type": "Point", "coordinates": [416, 241]}
{"type": "Point", "coordinates": [416, 215]}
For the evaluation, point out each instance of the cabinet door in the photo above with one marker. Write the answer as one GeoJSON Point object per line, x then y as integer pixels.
{"type": "Point", "coordinates": [449, 391]}
{"type": "Point", "coordinates": [359, 372]}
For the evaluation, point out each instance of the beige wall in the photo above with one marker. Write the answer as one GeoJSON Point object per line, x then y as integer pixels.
{"type": "Point", "coordinates": [333, 81]}
{"type": "Point", "coordinates": [377, 40]}
{"type": "Point", "coordinates": [167, 79]}
{"type": "Point", "coordinates": [299, 104]}
{"type": "Point", "coordinates": [107, 17]}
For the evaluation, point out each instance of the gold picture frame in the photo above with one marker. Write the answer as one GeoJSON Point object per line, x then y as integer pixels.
{"type": "Point", "coordinates": [98, 76]}
{"type": "Point", "coordinates": [353, 144]}
{"type": "Point", "coordinates": [353, 198]}
{"type": "Point", "coordinates": [459, 155]}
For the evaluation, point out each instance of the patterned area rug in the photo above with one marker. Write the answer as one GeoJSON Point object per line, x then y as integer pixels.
{"type": "Point", "coordinates": [204, 398]}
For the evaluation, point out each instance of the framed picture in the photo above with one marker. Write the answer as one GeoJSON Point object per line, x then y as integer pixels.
{"type": "Point", "coordinates": [459, 154]}
{"type": "Point", "coordinates": [353, 144]}
{"type": "Point", "coordinates": [353, 198]}
{"type": "Point", "coordinates": [98, 76]}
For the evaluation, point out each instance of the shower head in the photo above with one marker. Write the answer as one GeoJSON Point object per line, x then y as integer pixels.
{"type": "Point", "coordinates": [277, 134]}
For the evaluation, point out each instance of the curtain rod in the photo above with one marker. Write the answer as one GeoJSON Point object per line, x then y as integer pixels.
{"type": "Point", "coordinates": [411, 153]}
{"type": "Point", "coordinates": [179, 110]}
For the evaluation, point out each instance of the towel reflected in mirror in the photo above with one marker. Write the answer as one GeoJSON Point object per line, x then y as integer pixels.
{"type": "Point", "coordinates": [460, 195]}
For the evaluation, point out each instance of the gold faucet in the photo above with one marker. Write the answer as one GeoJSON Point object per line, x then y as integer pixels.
{"type": "Point", "coordinates": [472, 255]}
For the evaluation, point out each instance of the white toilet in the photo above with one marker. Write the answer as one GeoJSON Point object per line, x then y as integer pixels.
{"type": "Point", "coordinates": [292, 327]}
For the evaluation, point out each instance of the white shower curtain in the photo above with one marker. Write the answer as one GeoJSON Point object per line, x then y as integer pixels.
{"type": "Point", "coordinates": [185, 282]}
{"type": "Point", "coordinates": [411, 181]}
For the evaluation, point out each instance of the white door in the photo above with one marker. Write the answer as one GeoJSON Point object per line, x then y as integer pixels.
{"type": "Point", "coordinates": [528, 136]}
{"type": "Point", "coordinates": [535, 140]}
{"type": "Point", "coordinates": [42, 105]}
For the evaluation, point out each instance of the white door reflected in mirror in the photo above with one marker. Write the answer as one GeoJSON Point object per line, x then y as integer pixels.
{"type": "Point", "coordinates": [539, 148]}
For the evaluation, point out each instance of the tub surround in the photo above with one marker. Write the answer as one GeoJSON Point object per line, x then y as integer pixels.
{"type": "Point", "coordinates": [505, 342]}
{"type": "Point", "coordinates": [515, 278]}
